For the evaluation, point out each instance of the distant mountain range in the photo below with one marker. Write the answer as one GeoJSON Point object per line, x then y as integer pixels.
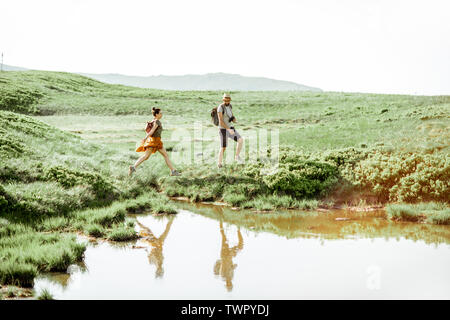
{"type": "Point", "coordinates": [210, 81]}
{"type": "Point", "coordinates": [5, 67]}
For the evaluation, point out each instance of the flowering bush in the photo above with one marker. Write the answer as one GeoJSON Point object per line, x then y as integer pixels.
{"type": "Point", "coordinates": [406, 177]}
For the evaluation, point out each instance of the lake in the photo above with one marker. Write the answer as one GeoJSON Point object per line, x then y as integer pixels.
{"type": "Point", "coordinates": [213, 252]}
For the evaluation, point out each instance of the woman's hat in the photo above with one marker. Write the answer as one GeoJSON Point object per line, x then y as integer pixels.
{"type": "Point", "coordinates": [226, 95]}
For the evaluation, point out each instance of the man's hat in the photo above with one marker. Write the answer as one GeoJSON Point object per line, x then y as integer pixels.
{"type": "Point", "coordinates": [226, 95]}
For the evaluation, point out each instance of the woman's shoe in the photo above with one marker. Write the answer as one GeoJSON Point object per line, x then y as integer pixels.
{"type": "Point", "coordinates": [131, 170]}
{"type": "Point", "coordinates": [175, 173]}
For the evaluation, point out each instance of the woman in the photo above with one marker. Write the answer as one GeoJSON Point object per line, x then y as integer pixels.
{"type": "Point", "coordinates": [152, 143]}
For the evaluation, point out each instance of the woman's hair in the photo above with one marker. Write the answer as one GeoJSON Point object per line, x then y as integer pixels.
{"type": "Point", "coordinates": [155, 111]}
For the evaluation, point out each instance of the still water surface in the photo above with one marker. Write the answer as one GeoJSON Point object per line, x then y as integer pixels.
{"type": "Point", "coordinates": [208, 252]}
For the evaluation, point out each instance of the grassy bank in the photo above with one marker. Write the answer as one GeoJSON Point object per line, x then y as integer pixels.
{"type": "Point", "coordinates": [308, 180]}
{"type": "Point", "coordinates": [339, 147]}
{"type": "Point", "coordinates": [54, 183]}
{"type": "Point", "coordinates": [380, 148]}
{"type": "Point", "coordinates": [435, 213]}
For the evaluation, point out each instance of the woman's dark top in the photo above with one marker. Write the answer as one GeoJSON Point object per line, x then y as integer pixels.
{"type": "Point", "coordinates": [158, 130]}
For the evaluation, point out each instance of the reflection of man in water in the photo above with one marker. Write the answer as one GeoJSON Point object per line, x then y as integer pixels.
{"type": "Point", "coordinates": [224, 266]}
{"type": "Point", "coordinates": [156, 255]}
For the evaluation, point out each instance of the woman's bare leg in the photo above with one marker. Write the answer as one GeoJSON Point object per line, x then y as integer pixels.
{"type": "Point", "coordinates": [144, 157]}
{"type": "Point", "coordinates": [166, 157]}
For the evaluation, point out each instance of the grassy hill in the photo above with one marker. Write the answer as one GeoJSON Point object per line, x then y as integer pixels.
{"type": "Point", "coordinates": [66, 142]}
{"type": "Point", "coordinates": [311, 120]}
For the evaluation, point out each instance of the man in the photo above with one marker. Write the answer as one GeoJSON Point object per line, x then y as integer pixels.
{"type": "Point", "coordinates": [225, 115]}
{"type": "Point", "coordinates": [225, 266]}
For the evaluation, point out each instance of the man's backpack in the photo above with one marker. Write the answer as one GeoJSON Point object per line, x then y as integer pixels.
{"type": "Point", "coordinates": [215, 116]}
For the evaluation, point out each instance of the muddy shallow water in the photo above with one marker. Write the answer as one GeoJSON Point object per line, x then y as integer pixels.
{"type": "Point", "coordinates": [209, 252]}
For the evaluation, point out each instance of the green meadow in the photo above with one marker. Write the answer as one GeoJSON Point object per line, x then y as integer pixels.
{"type": "Point", "coordinates": [66, 142]}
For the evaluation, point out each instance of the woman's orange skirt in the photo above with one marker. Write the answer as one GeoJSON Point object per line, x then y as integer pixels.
{"type": "Point", "coordinates": [154, 143]}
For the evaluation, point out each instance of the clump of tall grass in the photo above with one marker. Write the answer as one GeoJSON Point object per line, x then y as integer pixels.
{"type": "Point", "coordinates": [130, 223]}
{"type": "Point", "coordinates": [11, 292]}
{"type": "Point", "coordinates": [111, 222]}
{"type": "Point", "coordinates": [151, 201]}
{"type": "Point", "coordinates": [20, 274]}
{"type": "Point", "coordinates": [234, 199]}
{"type": "Point", "coordinates": [159, 207]}
{"type": "Point", "coordinates": [305, 204]}
{"type": "Point", "coordinates": [123, 233]}
{"type": "Point", "coordinates": [95, 230]}
{"type": "Point", "coordinates": [25, 252]}
{"type": "Point", "coordinates": [431, 212]}
{"type": "Point", "coordinates": [45, 295]}
{"type": "Point", "coordinates": [259, 203]}
{"type": "Point", "coordinates": [53, 224]}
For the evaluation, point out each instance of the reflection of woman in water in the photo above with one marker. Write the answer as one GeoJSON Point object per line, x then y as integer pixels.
{"type": "Point", "coordinates": [224, 266]}
{"type": "Point", "coordinates": [156, 255]}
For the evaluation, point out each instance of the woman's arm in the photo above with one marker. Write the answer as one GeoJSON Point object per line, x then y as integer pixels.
{"type": "Point", "coordinates": [154, 127]}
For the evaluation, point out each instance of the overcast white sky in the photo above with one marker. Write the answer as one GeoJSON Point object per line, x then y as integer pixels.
{"type": "Point", "coordinates": [395, 46]}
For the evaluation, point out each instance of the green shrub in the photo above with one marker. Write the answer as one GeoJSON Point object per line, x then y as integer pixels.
{"type": "Point", "coordinates": [69, 178]}
{"type": "Point", "coordinates": [17, 97]}
{"type": "Point", "coordinates": [406, 177]}
{"type": "Point", "coordinates": [344, 156]}
{"type": "Point", "coordinates": [39, 199]}
{"type": "Point", "coordinates": [302, 179]}
{"type": "Point", "coordinates": [11, 146]}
